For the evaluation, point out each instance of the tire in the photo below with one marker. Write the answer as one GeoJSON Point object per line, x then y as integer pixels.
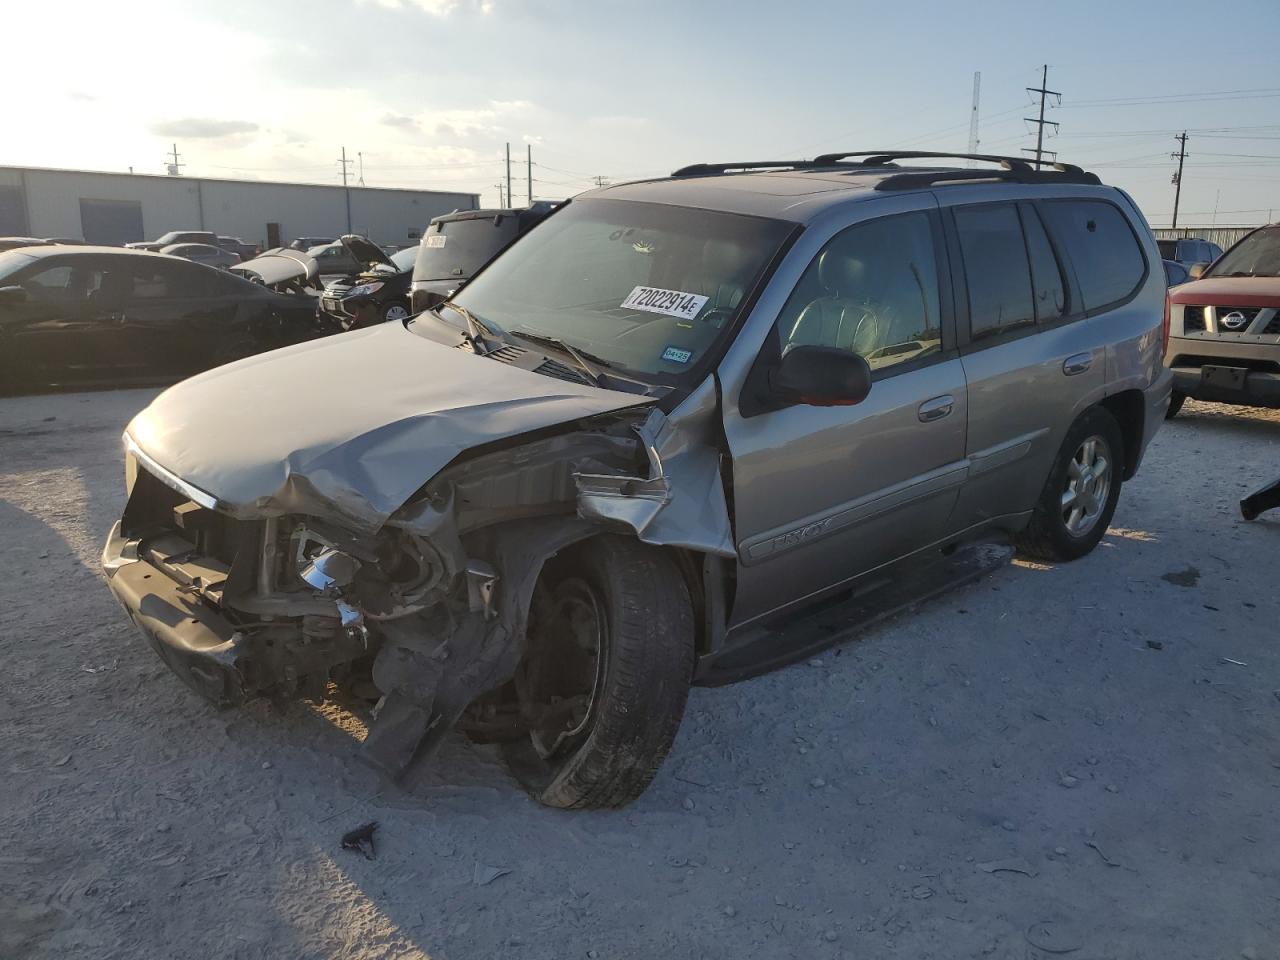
{"type": "Point", "coordinates": [1054, 532]}
{"type": "Point", "coordinates": [1176, 400]}
{"type": "Point", "coordinates": [393, 310]}
{"type": "Point", "coordinates": [606, 750]}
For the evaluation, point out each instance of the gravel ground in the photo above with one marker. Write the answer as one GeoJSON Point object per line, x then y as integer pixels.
{"type": "Point", "coordinates": [1078, 760]}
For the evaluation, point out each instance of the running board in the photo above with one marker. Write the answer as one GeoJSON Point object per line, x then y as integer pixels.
{"type": "Point", "coordinates": [841, 619]}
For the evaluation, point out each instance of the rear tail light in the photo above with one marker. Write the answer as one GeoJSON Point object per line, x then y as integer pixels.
{"type": "Point", "coordinates": [1164, 327]}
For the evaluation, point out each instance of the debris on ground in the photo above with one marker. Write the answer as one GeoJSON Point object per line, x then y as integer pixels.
{"type": "Point", "coordinates": [361, 839]}
{"type": "Point", "coordinates": [485, 875]}
{"type": "Point", "coordinates": [1011, 865]}
{"type": "Point", "coordinates": [1045, 936]}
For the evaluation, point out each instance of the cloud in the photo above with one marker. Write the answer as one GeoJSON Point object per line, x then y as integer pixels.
{"type": "Point", "coordinates": [202, 128]}
{"type": "Point", "coordinates": [532, 138]}
{"type": "Point", "coordinates": [508, 105]}
{"type": "Point", "coordinates": [398, 120]}
{"type": "Point", "coordinates": [438, 8]}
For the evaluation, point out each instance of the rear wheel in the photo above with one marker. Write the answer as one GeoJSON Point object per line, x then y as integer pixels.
{"type": "Point", "coordinates": [1080, 496]}
{"type": "Point", "coordinates": [603, 684]}
{"type": "Point", "coordinates": [1176, 400]}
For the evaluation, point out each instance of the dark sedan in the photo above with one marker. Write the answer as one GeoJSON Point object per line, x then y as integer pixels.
{"type": "Point", "coordinates": [102, 316]}
{"type": "Point", "coordinates": [377, 294]}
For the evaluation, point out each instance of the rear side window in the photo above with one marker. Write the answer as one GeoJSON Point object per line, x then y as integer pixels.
{"type": "Point", "coordinates": [1104, 251]}
{"type": "Point", "coordinates": [996, 268]}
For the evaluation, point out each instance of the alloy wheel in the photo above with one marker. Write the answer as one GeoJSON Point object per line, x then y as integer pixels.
{"type": "Point", "coordinates": [1087, 487]}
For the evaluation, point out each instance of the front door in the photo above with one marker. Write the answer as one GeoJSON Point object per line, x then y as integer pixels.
{"type": "Point", "coordinates": [822, 494]}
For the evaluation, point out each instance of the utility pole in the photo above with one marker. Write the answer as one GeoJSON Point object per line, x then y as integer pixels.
{"type": "Point", "coordinates": [508, 173]}
{"type": "Point", "coordinates": [601, 181]}
{"type": "Point", "coordinates": [1040, 123]}
{"type": "Point", "coordinates": [1180, 156]}
{"type": "Point", "coordinates": [501, 202]}
{"type": "Point", "coordinates": [345, 189]}
{"type": "Point", "coordinates": [973, 116]}
{"type": "Point", "coordinates": [529, 169]}
{"type": "Point", "coordinates": [360, 167]}
{"type": "Point", "coordinates": [175, 168]}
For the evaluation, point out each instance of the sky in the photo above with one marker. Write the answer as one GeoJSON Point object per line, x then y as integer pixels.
{"type": "Point", "coordinates": [427, 93]}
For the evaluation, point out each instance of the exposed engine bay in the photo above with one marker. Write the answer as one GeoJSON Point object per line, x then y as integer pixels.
{"type": "Point", "coordinates": [428, 613]}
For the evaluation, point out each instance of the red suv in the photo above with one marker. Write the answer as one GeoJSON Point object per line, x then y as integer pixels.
{"type": "Point", "coordinates": [1224, 342]}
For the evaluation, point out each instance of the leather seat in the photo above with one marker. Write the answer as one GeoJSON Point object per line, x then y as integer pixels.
{"type": "Point", "coordinates": [842, 317]}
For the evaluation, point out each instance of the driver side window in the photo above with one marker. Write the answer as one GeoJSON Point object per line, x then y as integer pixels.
{"type": "Point", "coordinates": [872, 290]}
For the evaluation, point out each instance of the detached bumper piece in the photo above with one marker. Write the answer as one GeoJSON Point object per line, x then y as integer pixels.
{"type": "Point", "coordinates": [1227, 384]}
{"type": "Point", "coordinates": [196, 642]}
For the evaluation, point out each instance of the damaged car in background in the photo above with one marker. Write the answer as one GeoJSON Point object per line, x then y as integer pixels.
{"type": "Point", "coordinates": [684, 430]}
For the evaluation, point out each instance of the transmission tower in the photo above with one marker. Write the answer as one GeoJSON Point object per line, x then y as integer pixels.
{"type": "Point", "coordinates": [1042, 122]}
{"type": "Point", "coordinates": [973, 115]}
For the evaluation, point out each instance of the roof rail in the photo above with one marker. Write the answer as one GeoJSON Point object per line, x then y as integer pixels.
{"type": "Point", "coordinates": [914, 180]}
{"type": "Point", "coordinates": [881, 158]}
{"type": "Point", "coordinates": [705, 169]}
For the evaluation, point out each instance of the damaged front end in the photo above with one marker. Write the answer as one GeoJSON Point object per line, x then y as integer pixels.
{"type": "Point", "coordinates": [429, 612]}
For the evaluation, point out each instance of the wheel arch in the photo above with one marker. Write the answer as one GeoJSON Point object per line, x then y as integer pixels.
{"type": "Point", "coordinates": [1128, 409]}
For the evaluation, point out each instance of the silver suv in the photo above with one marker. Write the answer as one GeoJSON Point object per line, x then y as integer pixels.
{"type": "Point", "coordinates": [675, 422]}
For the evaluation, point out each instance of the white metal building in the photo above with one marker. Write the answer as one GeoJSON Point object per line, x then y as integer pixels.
{"type": "Point", "coordinates": [117, 208]}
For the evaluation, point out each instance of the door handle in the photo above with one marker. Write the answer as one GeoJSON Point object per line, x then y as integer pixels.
{"type": "Point", "coordinates": [936, 409]}
{"type": "Point", "coordinates": [1077, 363]}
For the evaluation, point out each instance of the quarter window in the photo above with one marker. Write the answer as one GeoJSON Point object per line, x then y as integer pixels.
{"type": "Point", "coordinates": [1103, 249]}
{"type": "Point", "coordinates": [873, 290]}
{"type": "Point", "coordinates": [1046, 274]}
{"type": "Point", "coordinates": [996, 268]}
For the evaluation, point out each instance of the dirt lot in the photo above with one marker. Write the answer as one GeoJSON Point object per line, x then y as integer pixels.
{"type": "Point", "coordinates": [1080, 760]}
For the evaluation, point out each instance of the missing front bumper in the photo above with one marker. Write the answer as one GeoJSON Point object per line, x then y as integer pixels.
{"type": "Point", "coordinates": [196, 642]}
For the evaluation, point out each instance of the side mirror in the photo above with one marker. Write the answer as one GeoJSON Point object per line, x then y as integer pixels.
{"type": "Point", "coordinates": [13, 295]}
{"type": "Point", "coordinates": [821, 377]}
{"type": "Point", "coordinates": [1196, 270]}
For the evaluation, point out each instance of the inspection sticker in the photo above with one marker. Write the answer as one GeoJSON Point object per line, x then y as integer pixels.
{"type": "Point", "coordinates": [676, 355]}
{"type": "Point", "coordinates": [672, 303]}
{"type": "Point", "coordinates": [436, 240]}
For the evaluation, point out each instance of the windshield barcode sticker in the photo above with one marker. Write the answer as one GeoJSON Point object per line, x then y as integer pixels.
{"type": "Point", "coordinates": [671, 303]}
{"type": "Point", "coordinates": [436, 240]}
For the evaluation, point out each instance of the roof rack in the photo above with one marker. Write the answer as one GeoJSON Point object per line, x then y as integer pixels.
{"type": "Point", "coordinates": [705, 169]}
{"type": "Point", "coordinates": [1011, 169]}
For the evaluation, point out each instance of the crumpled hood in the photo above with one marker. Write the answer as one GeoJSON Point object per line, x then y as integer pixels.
{"type": "Point", "coordinates": [348, 426]}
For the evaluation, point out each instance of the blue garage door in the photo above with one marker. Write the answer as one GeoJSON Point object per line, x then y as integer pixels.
{"type": "Point", "coordinates": [111, 221]}
{"type": "Point", "coordinates": [13, 212]}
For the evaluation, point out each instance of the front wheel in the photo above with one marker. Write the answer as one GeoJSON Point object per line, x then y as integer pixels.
{"type": "Point", "coordinates": [395, 310]}
{"type": "Point", "coordinates": [1176, 400]}
{"type": "Point", "coordinates": [603, 684]}
{"type": "Point", "coordinates": [1080, 496]}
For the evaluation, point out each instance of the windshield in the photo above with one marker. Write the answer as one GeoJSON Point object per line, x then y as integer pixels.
{"type": "Point", "coordinates": [456, 249]}
{"type": "Point", "coordinates": [11, 261]}
{"type": "Point", "coordinates": [1257, 255]}
{"type": "Point", "coordinates": [400, 262]}
{"type": "Point", "coordinates": [643, 286]}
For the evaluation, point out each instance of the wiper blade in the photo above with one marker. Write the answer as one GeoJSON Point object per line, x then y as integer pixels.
{"type": "Point", "coordinates": [478, 332]}
{"type": "Point", "coordinates": [588, 362]}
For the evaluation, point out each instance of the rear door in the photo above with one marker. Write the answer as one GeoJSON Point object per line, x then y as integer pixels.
{"type": "Point", "coordinates": [822, 494]}
{"type": "Point", "coordinates": [1034, 347]}
{"type": "Point", "coordinates": [179, 315]}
